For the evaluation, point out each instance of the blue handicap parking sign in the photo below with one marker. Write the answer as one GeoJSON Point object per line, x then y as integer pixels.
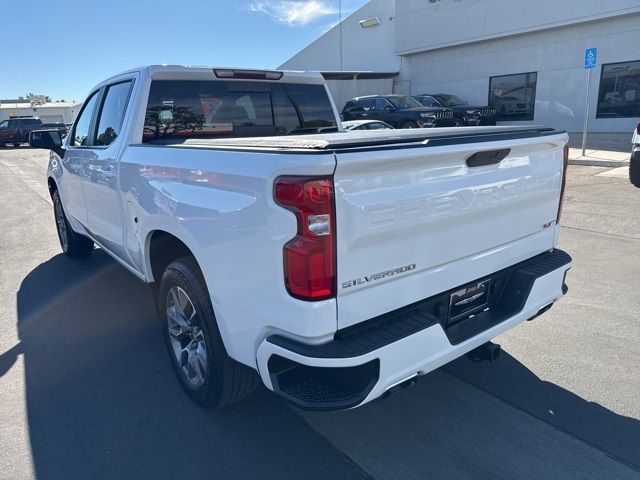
{"type": "Point", "coordinates": [590, 58]}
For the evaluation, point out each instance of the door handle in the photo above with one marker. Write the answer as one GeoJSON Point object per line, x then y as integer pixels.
{"type": "Point", "coordinates": [490, 157]}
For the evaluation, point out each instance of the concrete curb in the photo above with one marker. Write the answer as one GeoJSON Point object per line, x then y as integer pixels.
{"type": "Point", "coordinates": [598, 163]}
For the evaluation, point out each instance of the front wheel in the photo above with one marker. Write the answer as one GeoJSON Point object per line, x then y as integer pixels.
{"type": "Point", "coordinates": [634, 171]}
{"type": "Point", "coordinates": [408, 125]}
{"type": "Point", "coordinates": [207, 374]}
{"type": "Point", "coordinates": [73, 244]}
{"type": "Point", "coordinates": [17, 145]}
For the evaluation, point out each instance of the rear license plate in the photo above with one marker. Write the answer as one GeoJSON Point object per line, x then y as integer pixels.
{"type": "Point", "coordinates": [468, 300]}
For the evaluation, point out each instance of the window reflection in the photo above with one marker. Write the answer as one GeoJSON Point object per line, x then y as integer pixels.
{"type": "Point", "coordinates": [513, 96]}
{"type": "Point", "coordinates": [619, 93]}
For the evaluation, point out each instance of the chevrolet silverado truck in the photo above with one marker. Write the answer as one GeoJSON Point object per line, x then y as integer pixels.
{"type": "Point", "coordinates": [331, 266]}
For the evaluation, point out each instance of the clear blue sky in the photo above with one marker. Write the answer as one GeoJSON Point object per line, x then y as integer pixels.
{"type": "Point", "coordinates": [63, 48]}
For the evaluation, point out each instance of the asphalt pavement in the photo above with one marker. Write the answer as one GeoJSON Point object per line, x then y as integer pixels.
{"type": "Point", "coordinates": [87, 390]}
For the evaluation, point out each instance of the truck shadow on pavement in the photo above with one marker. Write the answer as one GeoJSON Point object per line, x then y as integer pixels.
{"type": "Point", "coordinates": [103, 402]}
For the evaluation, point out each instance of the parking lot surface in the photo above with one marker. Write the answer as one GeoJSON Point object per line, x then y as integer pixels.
{"type": "Point", "coordinates": [87, 389]}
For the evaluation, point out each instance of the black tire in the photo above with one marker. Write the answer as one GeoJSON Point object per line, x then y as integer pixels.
{"type": "Point", "coordinates": [73, 244]}
{"type": "Point", "coordinates": [409, 125]}
{"type": "Point", "coordinates": [224, 381]}
{"type": "Point", "coordinates": [17, 145]}
{"type": "Point", "coordinates": [634, 172]}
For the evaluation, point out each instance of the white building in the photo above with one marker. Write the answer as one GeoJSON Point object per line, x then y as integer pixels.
{"type": "Point", "coordinates": [49, 112]}
{"type": "Point", "coordinates": [524, 57]}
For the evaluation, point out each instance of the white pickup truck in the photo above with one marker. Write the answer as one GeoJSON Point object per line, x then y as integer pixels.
{"type": "Point", "coordinates": [333, 266]}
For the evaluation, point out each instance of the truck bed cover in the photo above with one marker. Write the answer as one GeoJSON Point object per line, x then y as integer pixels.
{"type": "Point", "coordinates": [371, 139]}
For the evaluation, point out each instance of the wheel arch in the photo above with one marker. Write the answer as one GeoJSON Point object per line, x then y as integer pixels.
{"type": "Point", "coordinates": [51, 185]}
{"type": "Point", "coordinates": [161, 248]}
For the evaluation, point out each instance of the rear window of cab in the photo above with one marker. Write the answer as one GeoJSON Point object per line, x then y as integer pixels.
{"type": "Point", "coordinates": [185, 109]}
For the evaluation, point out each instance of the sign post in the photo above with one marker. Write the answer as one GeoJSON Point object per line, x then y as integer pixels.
{"type": "Point", "coordinates": [590, 62]}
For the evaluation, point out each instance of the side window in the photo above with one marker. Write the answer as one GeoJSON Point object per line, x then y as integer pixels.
{"type": "Point", "coordinates": [112, 112]}
{"type": "Point", "coordinates": [381, 103]}
{"type": "Point", "coordinates": [368, 104]}
{"type": "Point", "coordinates": [81, 128]}
{"type": "Point", "coordinates": [429, 101]}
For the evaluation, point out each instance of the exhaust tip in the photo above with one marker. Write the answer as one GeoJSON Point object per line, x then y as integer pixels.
{"type": "Point", "coordinates": [406, 383]}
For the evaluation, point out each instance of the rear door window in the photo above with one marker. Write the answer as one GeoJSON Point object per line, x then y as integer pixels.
{"type": "Point", "coordinates": [381, 103]}
{"type": "Point", "coordinates": [368, 104]}
{"type": "Point", "coordinates": [112, 112]}
{"type": "Point", "coordinates": [183, 109]}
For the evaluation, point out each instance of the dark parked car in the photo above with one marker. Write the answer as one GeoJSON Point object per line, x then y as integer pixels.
{"type": "Point", "coordinates": [398, 111]}
{"type": "Point", "coordinates": [465, 113]}
{"type": "Point", "coordinates": [16, 130]}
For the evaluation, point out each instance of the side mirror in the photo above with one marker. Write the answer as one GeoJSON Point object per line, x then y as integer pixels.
{"type": "Point", "coordinates": [47, 139]}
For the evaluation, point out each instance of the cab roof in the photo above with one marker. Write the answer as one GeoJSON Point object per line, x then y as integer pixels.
{"type": "Point", "coordinates": [201, 71]}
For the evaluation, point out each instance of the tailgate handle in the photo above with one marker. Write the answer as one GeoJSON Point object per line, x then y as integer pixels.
{"type": "Point", "coordinates": [490, 157]}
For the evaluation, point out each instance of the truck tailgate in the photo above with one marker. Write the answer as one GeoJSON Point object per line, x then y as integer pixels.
{"type": "Point", "coordinates": [415, 221]}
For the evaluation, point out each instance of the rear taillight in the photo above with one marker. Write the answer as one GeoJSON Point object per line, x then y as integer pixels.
{"type": "Point", "coordinates": [565, 165]}
{"type": "Point", "coordinates": [309, 258]}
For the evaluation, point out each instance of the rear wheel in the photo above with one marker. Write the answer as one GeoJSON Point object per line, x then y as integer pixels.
{"type": "Point", "coordinates": [634, 171]}
{"type": "Point", "coordinates": [17, 145]}
{"type": "Point", "coordinates": [207, 374]}
{"type": "Point", "coordinates": [73, 244]}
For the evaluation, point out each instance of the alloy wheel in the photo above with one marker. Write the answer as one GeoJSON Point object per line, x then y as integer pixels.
{"type": "Point", "coordinates": [187, 337]}
{"type": "Point", "coordinates": [61, 224]}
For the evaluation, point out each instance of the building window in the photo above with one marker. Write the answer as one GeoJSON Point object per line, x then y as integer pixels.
{"type": "Point", "coordinates": [513, 96]}
{"type": "Point", "coordinates": [619, 94]}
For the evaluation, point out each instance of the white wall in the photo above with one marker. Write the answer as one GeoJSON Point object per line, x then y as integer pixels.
{"type": "Point", "coordinates": [425, 25]}
{"type": "Point", "coordinates": [66, 113]}
{"type": "Point", "coordinates": [556, 55]}
{"type": "Point", "coordinates": [368, 49]}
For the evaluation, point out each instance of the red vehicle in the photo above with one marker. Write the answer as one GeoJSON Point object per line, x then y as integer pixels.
{"type": "Point", "coordinates": [15, 131]}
